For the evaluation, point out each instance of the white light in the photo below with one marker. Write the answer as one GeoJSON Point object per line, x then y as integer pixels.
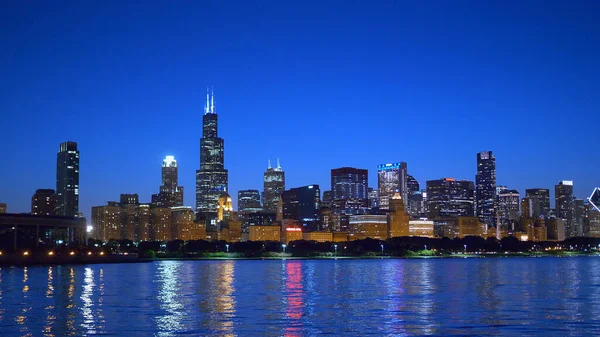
{"type": "Point", "coordinates": [567, 182]}
{"type": "Point", "coordinates": [89, 229]}
{"type": "Point", "coordinates": [169, 161]}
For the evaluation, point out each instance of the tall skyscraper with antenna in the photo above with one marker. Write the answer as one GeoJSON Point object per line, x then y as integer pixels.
{"type": "Point", "coordinates": [274, 185]}
{"type": "Point", "coordinates": [212, 177]}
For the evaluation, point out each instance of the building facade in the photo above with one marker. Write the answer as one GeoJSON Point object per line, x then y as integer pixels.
{"type": "Point", "coordinates": [368, 226]}
{"type": "Point", "coordinates": [212, 177]}
{"type": "Point", "coordinates": [388, 182]}
{"type": "Point", "coordinates": [398, 218]}
{"type": "Point", "coordinates": [302, 204]}
{"type": "Point", "coordinates": [565, 206]}
{"type": "Point", "coordinates": [540, 201]}
{"type": "Point", "coordinates": [170, 194]}
{"type": "Point", "coordinates": [485, 181]}
{"type": "Point", "coordinates": [508, 208]}
{"type": "Point", "coordinates": [350, 184]}
{"type": "Point", "coordinates": [249, 201]}
{"type": "Point", "coordinates": [43, 202]}
{"type": "Point", "coordinates": [273, 187]}
{"type": "Point", "coordinates": [67, 180]}
{"type": "Point", "coordinates": [447, 198]}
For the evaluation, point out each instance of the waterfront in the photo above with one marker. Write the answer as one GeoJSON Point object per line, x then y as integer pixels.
{"type": "Point", "coordinates": [501, 296]}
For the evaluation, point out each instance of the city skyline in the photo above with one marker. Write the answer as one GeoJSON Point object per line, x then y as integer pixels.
{"type": "Point", "coordinates": [521, 86]}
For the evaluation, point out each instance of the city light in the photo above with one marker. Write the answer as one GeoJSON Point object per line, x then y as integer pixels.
{"type": "Point", "coordinates": [25, 253]}
{"type": "Point", "coordinates": [89, 253]}
{"type": "Point", "coordinates": [50, 253]}
{"type": "Point", "coordinates": [72, 253]}
{"type": "Point", "coordinates": [101, 253]}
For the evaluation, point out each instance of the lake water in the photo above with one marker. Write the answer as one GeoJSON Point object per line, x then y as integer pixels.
{"type": "Point", "coordinates": [390, 297]}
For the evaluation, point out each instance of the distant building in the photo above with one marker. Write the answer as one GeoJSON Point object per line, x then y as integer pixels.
{"type": "Point", "coordinates": [29, 231]}
{"type": "Point", "coordinates": [318, 236]}
{"type": "Point", "coordinates": [373, 198]}
{"type": "Point", "coordinates": [447, 198]}
{"type": "Point", "coordinates": [540, 201]}
{"type": "Point", "coordinates": [274, 185]}
{"type": "Point", "coordinates": [249, 201]}
{"type": "Point", "coordinates": [486, 188]}
{"type": "Point", "coordinates": [224, 207]}
{"type": "Point", "coordinates": [302, 204]}
{"type": "Point", "coordinates": [350, 184]}
{"type": "Point", "coordinates": [264, 233]}
{"type": "Point", "coordinates": [170, 194]}
{"type": "Point", "coordinates": [508, 208]}
{"type": "Point", "coordinates": [129, 199]}
{"type": "Point", "coordinates": [556, 229]}
{"type": "Point", "coordinates": [259, 219]}
{"type": "Point", "coordinates": [291, 234]}
{"type": "Point", "coordinates": [368, 226]}
{"type": "Point", "coordinates": [2, 208]}
{"type": "Point", "coordinates": [421, 228]}
{"type": "Point", "coordinates": [212, 178]}
{"type": "Point", "coordinates": [565, 206]}
{"type": "Point", "coordinates": [67, 180]}
{"type": "Point", "coordinates": [43, 202]}
{"type": "Point", "coordinates": [579, 216]}
{"type": "Point", "coordinates": [416, 204]}
{"type": "Point", "coordinates": [397, 219]}
{"type": "Point", "coordinates": [468, 226]}
{"type": "Point", "coordinates": [327, 197]}
{"type": "Point", "coordinates": [594, 222]}
{"type": "Point", "coordinates": [388, 181]}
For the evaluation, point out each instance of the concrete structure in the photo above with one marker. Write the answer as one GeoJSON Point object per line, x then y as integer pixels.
{"type": "Point", "coordinates": [422, 228]}
{"type": "Point", "coordinates": [468, 226]}
{"type": "Point", "coordinates": [43, 202]}
{"type": "Point", "coordinates": [398, 218]}
{"type": "Point", "coordinates": [368, 226]}
{"type": "Point", "coordinates": [318, 236]}
{"type": "Point", "coordinates": [30, 230]}
{"type": "Point", "coordinates": [291, 234]}
{"type": "Point", "coordinates": [170, 194]}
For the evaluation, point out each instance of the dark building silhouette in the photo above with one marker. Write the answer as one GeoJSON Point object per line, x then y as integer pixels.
{"type": "Point", "coordinates": [485, 181]}
{"type": "Point", "coordinates": [448, 197]}
{"type": "Point", "coordinates": [67, 180]}
{"type": "Point", "coordinates": [170, 195]}
{"type": "Point", "coordinates": [565, 206]}
{"type": "Point", "coordinates": [274, 185]}
{"type": "Point", "coordinates": [350, 186]}
{"type": "Point", "coordinates": [212, 177]}
{"type": "Point", "coordinates": [43, 202]}
{"type": "Point", "coordinates": [540, 201]}
{"type": "Point", "coordinates": [248, 201]}
{"type": "Point", "coordinates": [302, 204]}
{"type": "Point", "coordinates": [129, 199]}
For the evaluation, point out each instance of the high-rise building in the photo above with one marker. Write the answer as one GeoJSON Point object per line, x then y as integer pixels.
{"type": "Point", "coordinates": [398, 218]}
{"type": "Point", "coordinates": [416, 204]}
{"type": "Point", "coordinates": [170, 194]}
{"type": "Point", "coordinates": [448, 197]}
{"type": "Point", "coordinates": [540, 201]}
{"type": "Point", "coordinates": [579, 216]}
{"type": "Point", "coordinates": [555, 229]}
{"type": "Point", "coordinates": [485, 180]}
{"type": "Point", "coordinates": [212, 177]}
{"type": "Point", "coordinates": [302, 204]}
{"type": "Point", "coordinates": [412, 185]}
{"type": "Point", "coordinates": [249, 201]}
{"type": "Point", "coordinates": [350, 184]}
{"type": "Point", "coordinates": [565, 206]}
{"type": "Point", "coordinates": [508, 207]}
{"type": "Point", "coordinates": [388, 181]}
{"type": "Point", "coordinates": [43, 202]}
{"type": "Point", "coordinates": [129, 199]}
{"type": "Point", "coordinates": [274, 185]}
{"type": "Point", "coordinates": [67, 180]}
{"type": "Point", "coordinates": [373, 198]}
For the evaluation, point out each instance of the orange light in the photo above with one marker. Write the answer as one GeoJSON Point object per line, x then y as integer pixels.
{"type": "Point", "coordinates": [0, 253]}
{"type": "Point", "coordinates": [25, 253]}
{"type": "Point", "coordinates": [290, 229]}
{"type": "Point", "coordinates": [72, 253]}
{"type": "Point", "coordinates": [101, 253]}
{"type": "Point", "coordinates": [50, 253]}
{"type": "Point", "coordinates": [89, 253]}
{"type": "Point", "coordinates": [125, 253]}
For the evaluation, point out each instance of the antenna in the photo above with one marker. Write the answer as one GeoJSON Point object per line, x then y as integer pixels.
{"type": "Point", "coordinates": [212, 106]}
{"type": "Point", "coordinates": [278, 166]}
{"type": "Point", "coordinates": [207, 106]}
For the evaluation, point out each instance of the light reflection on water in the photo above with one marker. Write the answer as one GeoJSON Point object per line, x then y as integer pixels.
{"type": "Point", "coordinates": [508, 297]}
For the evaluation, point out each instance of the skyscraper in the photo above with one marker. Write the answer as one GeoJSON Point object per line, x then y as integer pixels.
{"type": "Point", "coordinates": [508, 208]}
{"type": "Point", "coordinates": [448, 197]}
{"type": "Point", "coordinates": [388, 181]}
{"type": "Point", "coordinates": [563, 193]}
{"type": "Point", "coordinates": [170, 194]}
{"type": "Point", "coordinates": [486, 187]}
{"type": "Point", "coordinates": [540, 201]}
{"type": "Point", "coordinates": [248, 200]}
{"type": "Point", "coordinates": [67, 180]}
{"type": "Point", "coordinates": [350, 184]}
{"type": "Point", "coordinates": [212, 177]}
{"type": "Point", "coordinates": [274, 185]}
{"type": "Point", "coordinates": [302, 204]}
{"type": "Point", "coordinates": [43, 202]}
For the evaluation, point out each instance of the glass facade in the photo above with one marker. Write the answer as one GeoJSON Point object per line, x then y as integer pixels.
{"type": "Point", "coordinates": [540, 201]}
{"type": "Point", "coordinates": [248, 200]}
{"type": "Point", "coordinates": [302, 204]}
{"type": "Point", "coordinates": [348, 183]}
{"type": "Point", "coordinates": [388, 180]}
{"type": "Point", "coordinates": [448, 197]}
{"type": "Point", "coordinates": [273, 187]}
{"type": "Point", "coordinates": [486, 187]}
{"type": "Point", "coordinates": [67, 180]}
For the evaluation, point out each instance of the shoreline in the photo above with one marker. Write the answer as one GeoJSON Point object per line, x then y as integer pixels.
{"type": "Point", "coordinates": [115, 259]}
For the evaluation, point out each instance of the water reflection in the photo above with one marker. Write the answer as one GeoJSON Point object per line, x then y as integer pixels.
{"type": "Point", "coordinates": [89, 323]}
{"type": "Point", "coordinates": [50, 316]}
{"type": "Point", "coordinates": [168, 282]}
{"type": "Point", "coordinates": [294, 293]}
{"type": "Point", "coordinates": [224, 300]}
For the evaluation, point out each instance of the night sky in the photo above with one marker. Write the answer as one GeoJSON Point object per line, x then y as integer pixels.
{"type": "Point", "coordinates": [319, 84]}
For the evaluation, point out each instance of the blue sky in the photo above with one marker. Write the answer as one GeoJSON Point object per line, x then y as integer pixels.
{"type": "Point", "coordinates": [319, 84]}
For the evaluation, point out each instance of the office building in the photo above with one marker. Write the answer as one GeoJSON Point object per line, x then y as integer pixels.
{"type": "Point", "coordinates": [468, 226]}
{"type": "Point", "coordinates": [485, 181]}
{"type": "Point", "coordinates": [416, 204]}
{"type": "Point", "coordinates": [540, 201]}
{"type": "Point", "coordinates": [594, 222]}
{"type": "Point", "coordinates": [249, 201]}
{"type": "Point", "coordinates": [508, 208]}
{"type": "Point", "coordinates": [67, 180]}
{"type": "Point", "coordinates": [43, 202]}
{"type": "Point", "coordinates": [291, 234]}
{"type": "Point", "coordinates": [129, 199]}
{"type": "Point", "coordinates": [265, 233]}
{"type": "Point", "coordinates": [556, 229]}
{"type": "Point", "coordinates": [421, 228]}
{"type": "Point", "coordinates": [388, 181]}
{"type": "Point", "coordinates": [302, 204]}
{"type": "Point", "coordinates": [318, 236]}
{"type": "Point", "coordinates": [273, 187]}
{"type": "Point", "coordinates": [565, 205]}
{"type": "Point", "coordinates": [368, 226]}
{"type": "Point", "coordinates": [212, 177]}
{"type": "Point", "coordinates": [373, 198]}
{"type": "Point", "coordinates": [349, 184]}
{"type": "Point", "coordinates": [448, 198]}
{"type": "Point", "coordinates": [397, 219]}
{"type": "Point", "coordinates": [170, 194]}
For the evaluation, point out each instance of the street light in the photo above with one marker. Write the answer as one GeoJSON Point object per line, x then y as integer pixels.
{"type": "Point", "coordinates": [283, 245]}
{"type": "Point", "coordinates": [425, 247]}
{"type": "Point", "coordinates": [335, 250]}
{"type": "Point", "coordinates": [381, 250]}
{"type": "Point", "coordinates": [465, 250]}
{"type": "Point", "coordinates": [227, 248]}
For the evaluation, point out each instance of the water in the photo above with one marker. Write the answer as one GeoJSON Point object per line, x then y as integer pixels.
{"type": "Point", "coordinates": [494, 296]}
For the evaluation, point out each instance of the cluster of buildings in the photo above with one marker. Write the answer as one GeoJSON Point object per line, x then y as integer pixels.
{"type": "Point", "coordinates": [349, 209]}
